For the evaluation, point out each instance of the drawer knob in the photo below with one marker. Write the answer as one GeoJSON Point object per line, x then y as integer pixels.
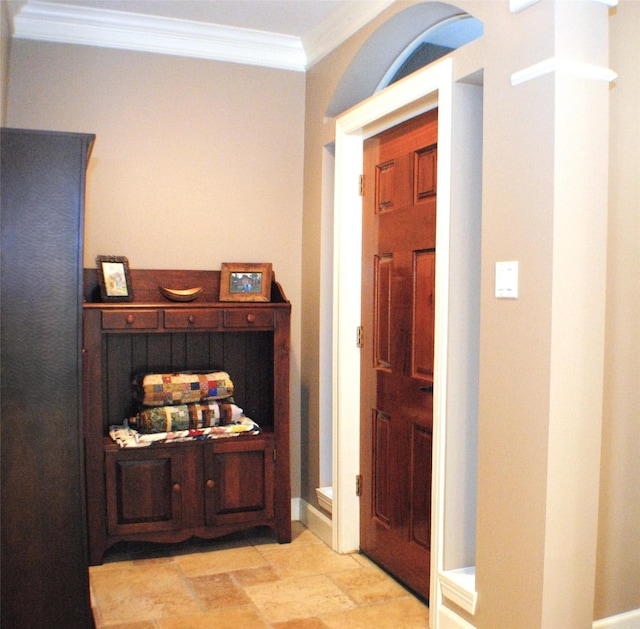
{"type": "Point", "coordinates": [191, 318]}
{"type": "Point", "coordinates": [251, 318]}
{"type": "Point", "coordinates": [130, 319]}
{"type": "Point", "coordinates": [177, 487]}
{"type": "Point", "coordinates": [210, 483]}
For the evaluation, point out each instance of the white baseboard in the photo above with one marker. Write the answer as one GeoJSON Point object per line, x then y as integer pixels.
{"type": "Point", "coordinates": [448, 619]}
{"type": "Point", "coordinates": [295, 509]}
{"type": "Point", "coordinates": [316, 521]}
{"type": "Point", "coordinates": [628, 620]}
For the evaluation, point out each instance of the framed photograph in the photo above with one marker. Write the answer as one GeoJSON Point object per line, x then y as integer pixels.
{"type": "Point", "coordinates": [114, 278]}
{"type": "Point", "coordinates": [245, 281]}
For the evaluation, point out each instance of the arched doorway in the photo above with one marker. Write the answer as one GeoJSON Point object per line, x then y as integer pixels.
{"type": "Point", "coordinates": [432, 86]}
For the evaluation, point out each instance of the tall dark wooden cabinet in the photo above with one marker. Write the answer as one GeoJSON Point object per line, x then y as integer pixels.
{"type": "Point", "coordinates": [45, 580]}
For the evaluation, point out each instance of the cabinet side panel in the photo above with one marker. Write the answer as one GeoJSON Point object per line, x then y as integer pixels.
{"type": "Point", "coordinates": [44, 550]}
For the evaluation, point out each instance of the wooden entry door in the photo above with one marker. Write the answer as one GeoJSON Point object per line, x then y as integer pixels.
{"type": "Point", "coordinates": [398, 287]}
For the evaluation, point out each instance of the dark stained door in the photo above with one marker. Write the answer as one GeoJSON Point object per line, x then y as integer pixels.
{"type": "Point", "coordinates": [399, 256]}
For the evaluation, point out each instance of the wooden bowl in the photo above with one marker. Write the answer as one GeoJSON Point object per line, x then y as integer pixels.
{"type": "Point", "coordinates": [186, 294]}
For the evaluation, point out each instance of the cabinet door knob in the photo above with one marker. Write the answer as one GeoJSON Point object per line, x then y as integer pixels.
{"type": "Point", "coordinates": [251, 318]}
{"type": "Point", "coordinates": [191, 318]}
{"type": "Point", "coordinates": [210, 483]}
{"type": "Point", "coordinates": [177, 487]}
{"type": "Point", "coordinates": [130, 319]}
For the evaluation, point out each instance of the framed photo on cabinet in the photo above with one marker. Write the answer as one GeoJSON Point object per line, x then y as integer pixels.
{"type": "Point", "coordinates": [244, 281]}
{"type": "Point", "coordinates": [114, 278]}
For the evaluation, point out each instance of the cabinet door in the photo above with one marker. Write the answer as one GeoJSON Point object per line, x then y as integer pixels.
{"type": "Point", "coordinates": [238, 481]}
{"type": "Point", "coordinates": [146, 489]}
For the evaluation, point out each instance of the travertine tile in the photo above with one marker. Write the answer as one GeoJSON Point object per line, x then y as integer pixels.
{"type": "Point", "coordinates": [231, 618]}
{"type": "Point", "coordinates": [364, 561]}
{"type": "Point", "coordinates": [253, 576]}
{"type": "Point", "coordinates": [220, 560]}
{"type": "Point", "coordinates": [300, 623]}
{"type": "Point", "coordinates": [300, 534]}
{"type": "Point", "coordinates": [307, 560]}
{"type": "Point", "coordinates": [146, 592]}
{"type": "Point", "coordinates": [404, 613]}
{"type": "Point", "coordinates": [289, 599]}
{"type": "Point", "coordinates": [367, 585]}
{"type": "Point", "coordinates": [130, 625]}
{"type": "Point", "coordinates": [249, 581]}
{"type": "Point", "coordinates": [217, 591]}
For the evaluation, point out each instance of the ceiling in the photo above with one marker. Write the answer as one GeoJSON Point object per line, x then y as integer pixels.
{"type": "Point", "coordinates": [288, 34]}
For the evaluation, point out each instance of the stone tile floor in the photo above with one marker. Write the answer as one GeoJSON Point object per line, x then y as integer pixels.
{"type": "Point", "coordinates": [248, 581]}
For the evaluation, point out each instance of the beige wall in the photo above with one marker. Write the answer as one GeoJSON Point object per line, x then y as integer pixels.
{"type": "Point", "coordinates": [195, 162]}
{"type": "Point", "coordinates": [541, 383]}
{"type": "Point", "coordinates": [618, 579]}
{"type": "Point", "coordinates": [5, 49]}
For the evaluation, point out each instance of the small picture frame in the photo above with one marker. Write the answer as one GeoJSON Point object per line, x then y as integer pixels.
{"type": "Point", "coordinates": [114, 278]}
{"type": "Point", "coordinates": [240, 281]}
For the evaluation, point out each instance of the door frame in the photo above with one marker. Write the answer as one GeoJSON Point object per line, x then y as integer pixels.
{"type": "Point", "coordinates": [425, 89]}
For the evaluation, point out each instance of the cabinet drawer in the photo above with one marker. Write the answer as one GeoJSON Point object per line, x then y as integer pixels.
{"type": "Point", "coordinates": [129, 319]}
{"type": "Point", "coordinates": [246, 318]}
{"type": "Point", "coordinates": [190, 318]}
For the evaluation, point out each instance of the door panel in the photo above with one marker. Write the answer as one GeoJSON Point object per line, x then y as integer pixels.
{"type": "Point", "coordinates": [146, 494]}
{"type": "Point", "coordinates": [383, 312]}
{"type": "Point", "coordinates": [421, 448]}
{"type": "Point", "coordinates": [423, 310]}
{"type": "Point", "coordinates": [238, 481]}
{"type": "Point", "coordinates": [381, 467]}
{"type": "Point", "coordinates": [398, 288]}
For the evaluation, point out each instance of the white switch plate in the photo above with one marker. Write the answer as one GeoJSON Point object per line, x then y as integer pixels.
{"type": "Point", "coordinates": [507, 280]}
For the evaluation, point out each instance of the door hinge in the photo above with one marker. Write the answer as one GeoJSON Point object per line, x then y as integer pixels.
{"type": "Point", "coordinates": [361, 184]}
{"type": "Point", "coordinates": [358, 484]}
{"type": "Point", "coordinates": [360, 336]}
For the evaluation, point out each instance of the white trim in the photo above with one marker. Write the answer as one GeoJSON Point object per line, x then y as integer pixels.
{"type": "Point", "coordinates": [338, 26]}
{"type": "Point", "coordinates": [448, 619]}
{"type": "Point", "coordinates": [131, 31]}
{"type": "Point", "coordinates": [315, 521]}
{"type": "Point", "coordinates": [459, 586]}
{"type": "Point", "coordinates": [411, 48]}
{"type": "Point", "coordinates": [515, 6]}
{"type": "Point", "coordinates": [325, 498]}
{"type": "Point", "coordinates": [74, 24]}
{"type": "Point", "coordinates": [421, 91]}
{"type": "Point", "coordinates": [563, 66]}
{"type": "Point", "coordinates": [626, 620]}
{"type": "Point", "coordinates": [295, 509]}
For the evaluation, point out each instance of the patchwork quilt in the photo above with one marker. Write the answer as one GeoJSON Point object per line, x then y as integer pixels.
{"type": "Point", "coordinates": [185, 417]}
{"type": "Point", "coordinates": [162, 389]}
{"type": "Point", "coordinates": [127, 437]}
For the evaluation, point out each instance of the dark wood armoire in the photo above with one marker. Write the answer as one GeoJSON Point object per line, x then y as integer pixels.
{"type": "Point", "coordinates": [45, 579]}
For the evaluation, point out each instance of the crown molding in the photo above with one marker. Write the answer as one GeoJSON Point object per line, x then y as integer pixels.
{"type": "Point", "coordinates": [131, 31]}
{"type": "Point", "coordinates": [341, 24]}
{"type": "Point", "coordinates": [73, 24]}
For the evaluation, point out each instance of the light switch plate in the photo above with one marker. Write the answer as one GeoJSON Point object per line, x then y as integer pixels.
{"type": "Point", "coordinates": [507, 280]}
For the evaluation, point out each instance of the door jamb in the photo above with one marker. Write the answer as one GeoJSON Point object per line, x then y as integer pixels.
{"type": "Point", "coordinates": [427, 88]}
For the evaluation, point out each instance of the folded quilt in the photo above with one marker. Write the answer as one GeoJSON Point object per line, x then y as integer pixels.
{"type": "Point", "coordinates": [127, 437]}
{"type": "Point", "coordinates": [185, 417]}
{"type": "Point", "coordinates": [162, 389]}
